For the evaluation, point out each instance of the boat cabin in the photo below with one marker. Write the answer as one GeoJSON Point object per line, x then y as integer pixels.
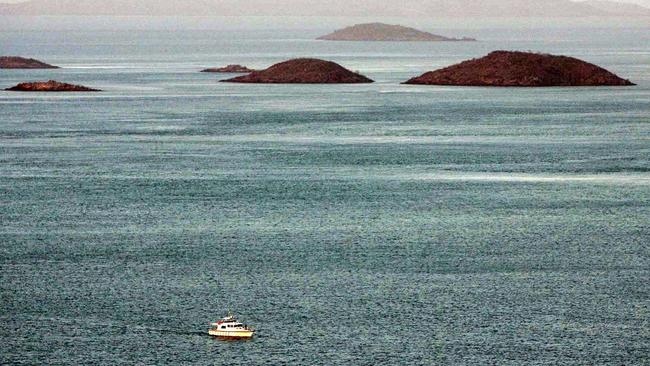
{"type": "Point", "coordinates": [229, 323]}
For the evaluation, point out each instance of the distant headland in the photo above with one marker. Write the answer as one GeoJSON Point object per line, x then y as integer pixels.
{"type": "Point", "coordinates": [50, 86]}
{"type": "Point", "coordinates": [303, 71]}
{"type": "Point", "coordinates": [524, 69]}
{"type": "Point", "coordinates": [387, 33]}
{"type": "Point", "coordinates": [16, 62]}
{"type": "Point", "coordinates": [232, 69]}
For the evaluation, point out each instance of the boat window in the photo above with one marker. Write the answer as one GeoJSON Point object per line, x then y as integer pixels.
{"type": "Point", "coordinates": [223, 327]}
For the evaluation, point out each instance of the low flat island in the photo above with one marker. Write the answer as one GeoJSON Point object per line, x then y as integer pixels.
{"type": "Point", "coordinates": [50, 86]}
{"type": "Point", "coordinates": [232, 69]}
{"type": "Point", "coordinates": [381, 32]}
{"type": "Point", "coordinates": [16, 62]}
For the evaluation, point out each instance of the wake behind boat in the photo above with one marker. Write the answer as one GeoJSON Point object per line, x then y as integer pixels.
{"type": "Point", "coordinates": [230, 328]}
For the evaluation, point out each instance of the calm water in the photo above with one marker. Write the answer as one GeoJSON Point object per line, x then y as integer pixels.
{"type": "Point", "coordinates": [351, 225]}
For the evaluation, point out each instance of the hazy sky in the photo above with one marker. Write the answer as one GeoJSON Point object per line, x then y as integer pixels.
{"type": "Point", "coordinates": [641, 2]}
{"type": "Point", "coordinates": [328, 19]}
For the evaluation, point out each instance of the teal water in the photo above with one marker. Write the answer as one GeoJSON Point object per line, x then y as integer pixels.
{"type": "Point", "coordinates": [376, 224]}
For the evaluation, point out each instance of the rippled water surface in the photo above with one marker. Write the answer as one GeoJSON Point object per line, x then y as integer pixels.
{"type": "Point", "coordinates": [376, 224]}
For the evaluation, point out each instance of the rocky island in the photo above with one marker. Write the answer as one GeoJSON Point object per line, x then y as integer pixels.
{"type": "Point", "coordinates": [50, 86]}
{"type": "Point", "coordinates": [388, 33]}
{"type": "Point", "coordinates": [232, 69]}
{"type": "Point", "coordinates": [524, 69]}
{"type": "Point", "coordinates": [303, 71]}
{"type": "Point", "coordinates": [15, 62]}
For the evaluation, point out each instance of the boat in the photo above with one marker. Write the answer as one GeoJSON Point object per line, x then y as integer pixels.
{"type": "Point", "coordinates": [230, 328]}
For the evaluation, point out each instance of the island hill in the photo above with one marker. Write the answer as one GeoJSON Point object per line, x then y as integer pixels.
{"type": "Point", "coordinates": [230, 69]}
{"type": "Point", "coordinates": [50, 86]}
{"type": "Point", "coordinates": [387, 33]}
{"type": "Point", "coordinates": [521, 69]}
{"type": "Point", "coordinates": [15, 62]}
{"type": "Point", "coordinates": [303, 71]}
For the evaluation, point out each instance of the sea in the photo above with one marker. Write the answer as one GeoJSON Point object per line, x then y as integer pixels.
{"type": "Point", "coordinates": [371, 224]}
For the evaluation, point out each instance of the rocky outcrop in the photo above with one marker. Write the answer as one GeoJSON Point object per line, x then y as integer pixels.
{"type": "Point", "coordinates": [232, 69]}
{"type": "Point", "coordinates": [303, 71]}
{"type": "Point", "coordinates": [50, 86]}
{"type": "Point", "coordinates": [386, 32]}
{"type": "Point", "coordinates": [15, 62]}
{"type": "Point", "coordinates": [525, 69]}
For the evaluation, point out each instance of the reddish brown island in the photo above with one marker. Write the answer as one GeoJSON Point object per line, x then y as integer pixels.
{"type": "Point", "coordinates": [50, 86]}
{"type": "Point", "coordinates": [233, 69]}
{"type": "Point", "coordinates": [15, 62]}
{"type": "Point", "coordinates": [521, 69]}
{"type": "Point", "coordinates": [303, 71]}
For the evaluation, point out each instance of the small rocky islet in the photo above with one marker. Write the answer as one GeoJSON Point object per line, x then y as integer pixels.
{"type": "Point", "coordinates": [381, 32]}
{"type": "Point", "coordinates": [16, 62]}
{"type": "Point", "coordinates": [50, 86]}
{"type": "Point", "coordinates": [521, 69]}
{"type": "Point", "coordinates": [230, 69]}
{"type": "Point", "coordinates": [303, 71]}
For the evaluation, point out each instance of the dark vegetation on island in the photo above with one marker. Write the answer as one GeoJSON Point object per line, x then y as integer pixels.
{"type": "Point", "coordinates": [388, 33]}
{"type": "Point", "coordinates": [303, 71]}
{"type": "Point", "coordinates": [50, 86]}
{"type": "Point", "coordinates": [521, 69]}
{"type": "Point", "coordinates": [233, 69]}
{"type": "Point", "coordinates": [16, 62]}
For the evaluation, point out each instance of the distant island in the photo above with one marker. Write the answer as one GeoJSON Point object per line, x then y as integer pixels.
{"type": "Point", "coordinates": [388, 33]}
{"type": "Point", "coordinates": [524, 69]}
{"type": "Point", "coordinates": [15, 62]}
{"type": "Point", "coordinates": [617, 8]}
{"type": "Point", "coordinates": [50, 86]}
{"type": "Point", "coordinates": [303, 71]}
{"type": "Point", "coordinates": [233, 69]}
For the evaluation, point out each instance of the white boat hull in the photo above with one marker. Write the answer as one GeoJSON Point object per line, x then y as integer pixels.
{"type": "Point", "coordinates": [233, 334]}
